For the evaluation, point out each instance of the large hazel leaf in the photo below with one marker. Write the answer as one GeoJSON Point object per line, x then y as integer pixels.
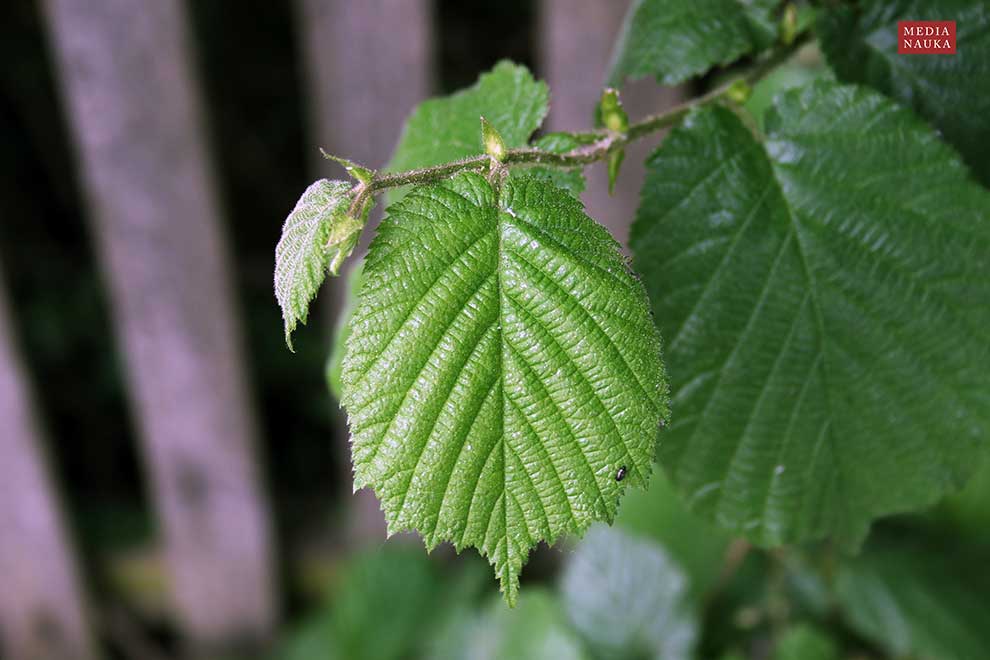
{"type": "Point", "coordinates": [950, 91]}
{"type": "Point", "coordinates": [674, 40]}
{"type": "Point", "coordinates": [317, 236]}
{"type": "Point", "coordinates": [824, 297]}
{"type": "Point", "coordinates": [502, 369]}
{"type": "Point", "coordinates": [444, 129]}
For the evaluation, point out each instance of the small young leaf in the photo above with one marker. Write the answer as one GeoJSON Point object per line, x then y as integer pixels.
{"type": "Point", "coordinates": [445, 129]}
{"type": "Point", "coordinates": [677, 39]}
{"type": "Point", "coordinates": [627, 598]}
{"type": "Point", "coordinates": [823, 295]}
{"type": "Point", "coordinates": [502, 365]}
{"type": "Point", "coordinates": [360, 173]}
{"type": "Point", "coordinates": [950, 91]}
{"type": "Point", "coordinates": [614, 163]}
{"type": "Point", "coordinates": [318, 235]}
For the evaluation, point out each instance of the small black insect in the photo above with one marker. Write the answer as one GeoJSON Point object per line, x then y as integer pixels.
{"type": "Point", "coordinates": [621, 474]}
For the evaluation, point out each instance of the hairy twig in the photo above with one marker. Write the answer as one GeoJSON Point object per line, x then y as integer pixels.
{"type": "Point", "coordinates": [599, 143]}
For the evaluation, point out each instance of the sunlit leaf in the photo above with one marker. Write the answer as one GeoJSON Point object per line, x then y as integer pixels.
{"type": "Point", "coordinates": [502, 368]}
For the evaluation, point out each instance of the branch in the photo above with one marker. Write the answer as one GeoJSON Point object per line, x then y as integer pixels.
{"type": "Point", "coordinates": [602, 144]}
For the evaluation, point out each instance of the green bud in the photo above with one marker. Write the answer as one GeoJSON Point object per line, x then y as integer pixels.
{"type": "Point", "coordinates": [611, 113]}
{"type": "Point", "coordinates": [494, 144]}
{"type": "Point", "coordinates": [788, 24]}
{"type": "Point", "coordinates": [739, 92]}
{"type": "Point", "coordinates": [345, 232]}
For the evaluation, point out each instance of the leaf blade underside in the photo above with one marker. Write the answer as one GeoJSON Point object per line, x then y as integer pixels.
{"type": "Point", "coordinates": [302, 256]}
{"type": "Point", "coordinates": [949, 91]}
{"type": "Point", "coordinates": [502, 366]}
{"type": "Point", "coordinates": [674, 40]}
{"type": "Point", "coordinates": [823, 313]}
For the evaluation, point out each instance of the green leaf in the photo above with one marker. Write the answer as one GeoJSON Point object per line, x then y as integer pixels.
{"type": "Point", "coordinates": [627, 598]}
{"type": "Point", "coordinates": [318, 235]}
{"type": "Point", "coordinates": [806, 642]}
{"type": "Point", "coordinates": [396, 580]}
{"type": "Point", "coordinates": [335, 361]}
{"type": "Point", "coordinates": [968, 508]}
{"type": "Point", "coordinates": [359, 172]}
{"type": "Point", "coordinates": [560, 143]}
{"type": "Point", "coordinates": [535, 630]}
{"type": "Point", "coordinates": [950, 91]}
{"type": "Point", "coordinates": [697, 545]}
{"type": "Point", "coordinates": [917, 602]}
{"type": "Point", "coordinates": [823, 298]}
{"type": "Point", "coordinates": [502, 367]}
{"type": "Point", "coordinates": [614, 163]}
{"type": "Point", "coordinates": [444, 129]}
{"type": "Point", "coordinates": [393, 579]}
{"type": "Point", "coordinates": [794, 73]}
{"type": "Point", "coordinates": [678, 39]}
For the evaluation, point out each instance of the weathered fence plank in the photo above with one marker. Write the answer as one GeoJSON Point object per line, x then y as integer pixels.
{"type": "Point", "coordinates": [577, 37]}
{"type": "Point", "coordinates": [128, 87]}
{"type": "Point", "coordinates": [42, 613]}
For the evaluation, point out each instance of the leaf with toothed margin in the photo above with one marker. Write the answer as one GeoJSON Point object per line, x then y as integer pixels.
{"type": "Point", "coordinates": [444, 129]}
{"type": "Point", "coordinates": [674, 40]}
{"type": "Point", "coordinates": [502, 367]}
{"type": "Point", "coordinates": [824, 295]}
{"type": "Point", "coordinates": [950, 91]}
{"type": "Point", "coordinates": [316, 238]}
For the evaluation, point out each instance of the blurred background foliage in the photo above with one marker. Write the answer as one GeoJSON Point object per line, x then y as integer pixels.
{"type": "Point", "coordinates": [391, 600]}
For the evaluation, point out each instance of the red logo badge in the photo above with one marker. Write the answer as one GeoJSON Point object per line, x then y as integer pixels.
{"type": "Point", "coordinates": [926, 37]}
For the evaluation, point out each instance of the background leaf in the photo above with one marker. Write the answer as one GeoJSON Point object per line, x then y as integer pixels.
{"type": "Point", "coordinates": [447, 128]}
{"type": "Point", "coordinates": [824, 313]}
{"type": "Point", "coordinates": [677, 39]}
{"type": "Point", "coordinates": [660, 514]}
{"type": "Point", "coordinates": [918, 601]}
{"type": "Point", "coordinates": [502, 367]}
{"type": "Point", "coordinates": [559, 143]}
{"type": "Point", "coordinates": [335, 361]}
{"type": "Point", "coordinates": [535, 630]}
{"type": "Point", "coordinates": [950, 91]}
{"type": "Point", "coordinates": [806, 642]}
{"type": "Point", "coordinates": [301, 256]}
{"type": "Point", "coordinates": [394, 578]}
{"type": "Point", "coordinates": [628, 598]}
